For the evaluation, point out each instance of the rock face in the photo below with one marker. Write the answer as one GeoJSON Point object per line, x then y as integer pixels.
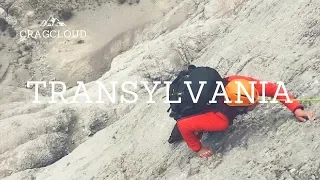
{"type": "Point", "coordinates": [274, 40]}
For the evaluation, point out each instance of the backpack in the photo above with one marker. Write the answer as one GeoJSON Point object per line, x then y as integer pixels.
{"type": "Point", "coordinates": [179, 89]}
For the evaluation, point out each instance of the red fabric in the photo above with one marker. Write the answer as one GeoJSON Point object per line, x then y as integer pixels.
{"type": "Point", "coordinates": [209, 121]}
{"type": "Point", "coordinates": [216, 121]}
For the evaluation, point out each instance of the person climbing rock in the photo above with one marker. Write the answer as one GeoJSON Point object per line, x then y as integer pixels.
{"type": "Point", "coordinates": [219, 118]}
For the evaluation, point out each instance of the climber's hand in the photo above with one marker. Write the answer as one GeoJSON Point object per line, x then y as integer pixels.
{"type": "Point", "coordinates": [205, 152]}
{"type": "Point", "coordinates": [301, 115]}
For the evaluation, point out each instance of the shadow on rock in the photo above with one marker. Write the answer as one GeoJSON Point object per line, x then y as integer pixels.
{"type": "Point", "coordinates": [257, 124]}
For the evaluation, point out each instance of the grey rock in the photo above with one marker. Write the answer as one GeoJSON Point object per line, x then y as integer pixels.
{"type": "Point", "coordinates": [272, 40]}
{"type": "Point", "coordinates": [2, 46]}
{"type": "Point", "coordinates": [2, 13]}
{"type": "Point", "coordinates": [3, 24]}
{"type": "Point", "coordinates": [25, 59]}
{"type": "Point", "coordinates": [12, 32]}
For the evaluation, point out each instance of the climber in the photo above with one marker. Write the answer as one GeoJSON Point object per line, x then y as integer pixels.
{"type": "Point", "coordinates": [210, 120]}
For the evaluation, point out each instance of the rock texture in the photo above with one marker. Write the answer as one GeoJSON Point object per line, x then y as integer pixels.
{"type": "Point", "coordinates": [274, 40]}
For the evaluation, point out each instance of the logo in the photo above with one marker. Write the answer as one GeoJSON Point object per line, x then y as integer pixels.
{"type": "Point", "coordinates": [51, 21]}
{"type": "Point", "coordinates": [52, 30]}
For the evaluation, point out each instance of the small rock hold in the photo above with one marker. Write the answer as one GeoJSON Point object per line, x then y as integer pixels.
{"type": "Point", "coordinates": [15, 11]}
{"type": "Point", "coordinates": [12, 32]}
{"type": "Point", "coordinates": [2, 13]}
{"type": "Point", "coordinates": [1, 46]}
{"type": "Point", "coordinates": [65, 14]}
{"type": "Point", "coordinates": [80, 41]}
{"type": "Point", "coordinates": [21, 48]}
{"type": "Point", "coordinates": [121, 1]}
{"type": "Point", "coordinates": [26, 59]}
{"type": "Point", "coordinates": [28, 47]}
{"type": "Point", "coordinates": [3, 24]}
{"type": "Point", "coordinates": [30, 14]}
{"type": "Point", "coordinates": [292, 171]}
{"type": "Point", "coordinates": [24, 53]}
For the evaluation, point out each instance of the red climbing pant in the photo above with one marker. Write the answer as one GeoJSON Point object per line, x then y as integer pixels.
{"type": "Point", "coordinates": [209, 121]}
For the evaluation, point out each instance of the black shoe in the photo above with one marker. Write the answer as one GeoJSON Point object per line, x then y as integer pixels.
{"type": "Point", "coordinates": [175, 135]}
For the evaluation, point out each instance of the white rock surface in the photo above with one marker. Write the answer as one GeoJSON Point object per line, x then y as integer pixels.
{"type": "Point", "coordinates": [271, 40]}
{"type": "Point", "coordinates": [2, 13]}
